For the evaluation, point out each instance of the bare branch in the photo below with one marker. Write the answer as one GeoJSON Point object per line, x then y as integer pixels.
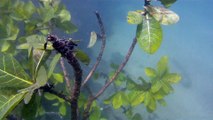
{"type": "Point", "coordinates": [103, 38]}
{"type": "Point", "coordinates": [122, 65]}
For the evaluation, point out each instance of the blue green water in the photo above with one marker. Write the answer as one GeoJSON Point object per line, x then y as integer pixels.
{"type": "Point", "coordinates": [188, 44]}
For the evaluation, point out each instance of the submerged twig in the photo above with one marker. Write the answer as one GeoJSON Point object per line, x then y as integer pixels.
{"type": "Point", "coordinates": [103, 38]}
{"type": "Point", "coordinates": [122, 65]}
{"type": "Point", "coordinates": [65, 75]}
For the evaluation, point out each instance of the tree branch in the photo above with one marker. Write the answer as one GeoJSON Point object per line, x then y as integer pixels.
{"type": "Point", "coordinates": [122, 65]}
{"type": "Point", "coordinates": [103, 38]}
{"type": "Point", "coordinates": [65, 75]}
{"type": "Point", "coordinates": [77, 84]}
{"type": "Point", "coordinates": [49, 88]}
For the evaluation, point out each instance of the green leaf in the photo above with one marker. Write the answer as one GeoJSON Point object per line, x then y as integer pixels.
{"type": "Point", "coordinates": [8, 103]}
{"type": "Point", "coordinates": [23, 46]}
{"type": "Point", "coordinates": [64, 15]}
{"type": "Point", "coordinates": [167, 3]}
{"type": "Point", "coordinates": [23, 11]}
{"type": "Point", "coordinates": [28, 96]}
{"type": "Point", "coordinates": [58, 77]}
{"type": "Point", "coordinates": [162, 66]}
{"type": "Point", "coordinates": [134, 17]}
{"type": "Point", "coordinates": [41, 78]}
{"type": "Point", "coordinates": [36, 41]}
{"type": "Point", "coordinates": [62, 109]}
{"type": "Point", "coordinates": [138, 99]}
{"type": "Point", "coordinates": [147, 99]}
{"type": "Point", "coordinates": [46, 13]}
{"type": "Point", "coordinates": [31, 63]}
{"type": "Point", "coordinates": [152, 104]}
{"type": "Point", "coordinates": [53, 64]}
{"type": "Point", "coordinates": [12, 74]}
{"type": "Point", "coordinates": [150, 35]}
{"type": "Point", "coordinates": [159, 95]}
{"type": "Point", "coordinates": [82, 56]}
{"type": "Point", "coordinates": [67, 26]}
{"type": "Point", "coordinates": [172, 78]}
{"type": "Point", "coordinates": [10, 31]}
{"type": "Point", "coordinates": [137, 116]}
{"type": "Point", "coordinates": [131, 85]}
{"type": "Point", "coordinates": [163, 15]}
{"type": "Point", "coordinates": [117, 100]}
{"type": "Point", "coordinates": [95, 114]}
{"type": "Point", "coordinates": [156, 86]}
{"type": "Point", "coordinates": [93, 39]}
{"type": "Point", "coordinates": [5, 46]}
{"type": "Point", "coordinates": [150, 72]}
{"type": "Point", "coordinates": [49, 96]}
{"type": "Point", "coordinates": [166, 87]}
{"type": "Point", "coordinates": [108, 100]}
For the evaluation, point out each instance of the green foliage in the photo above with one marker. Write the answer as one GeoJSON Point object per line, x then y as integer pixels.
{"type": "Point", "coordinates": [21, 81]}
{"type": "Point", "coordinates": [148, 92]}
{"type": "Point", "coordinates": [149, 33]}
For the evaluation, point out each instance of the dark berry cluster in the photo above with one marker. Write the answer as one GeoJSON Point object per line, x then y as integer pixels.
{"type": "Point", "coordinates": [63, 46]}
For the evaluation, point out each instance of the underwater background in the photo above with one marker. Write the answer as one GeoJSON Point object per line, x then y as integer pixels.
{"type": "Point", "coordinates": [188, 44]}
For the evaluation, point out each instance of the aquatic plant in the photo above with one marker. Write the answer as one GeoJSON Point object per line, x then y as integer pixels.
{"type": "Point", "coordinates": [27, 73]}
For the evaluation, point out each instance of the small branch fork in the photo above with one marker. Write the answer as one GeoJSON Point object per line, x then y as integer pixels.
{"type": "Point", "coordinates": [103, 38]}
{"type": "Point", "coordinates": [101, 91]}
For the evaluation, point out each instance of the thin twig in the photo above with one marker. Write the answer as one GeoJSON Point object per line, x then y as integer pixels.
{"type": "Point", "coordinates": [122, 65]}
{"type": "Point", "coordinates": [65, 75]}
{"type": "Point", "coordinates": [49, 88]}
{"type": "Point", "coordinates": [103, 38]}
